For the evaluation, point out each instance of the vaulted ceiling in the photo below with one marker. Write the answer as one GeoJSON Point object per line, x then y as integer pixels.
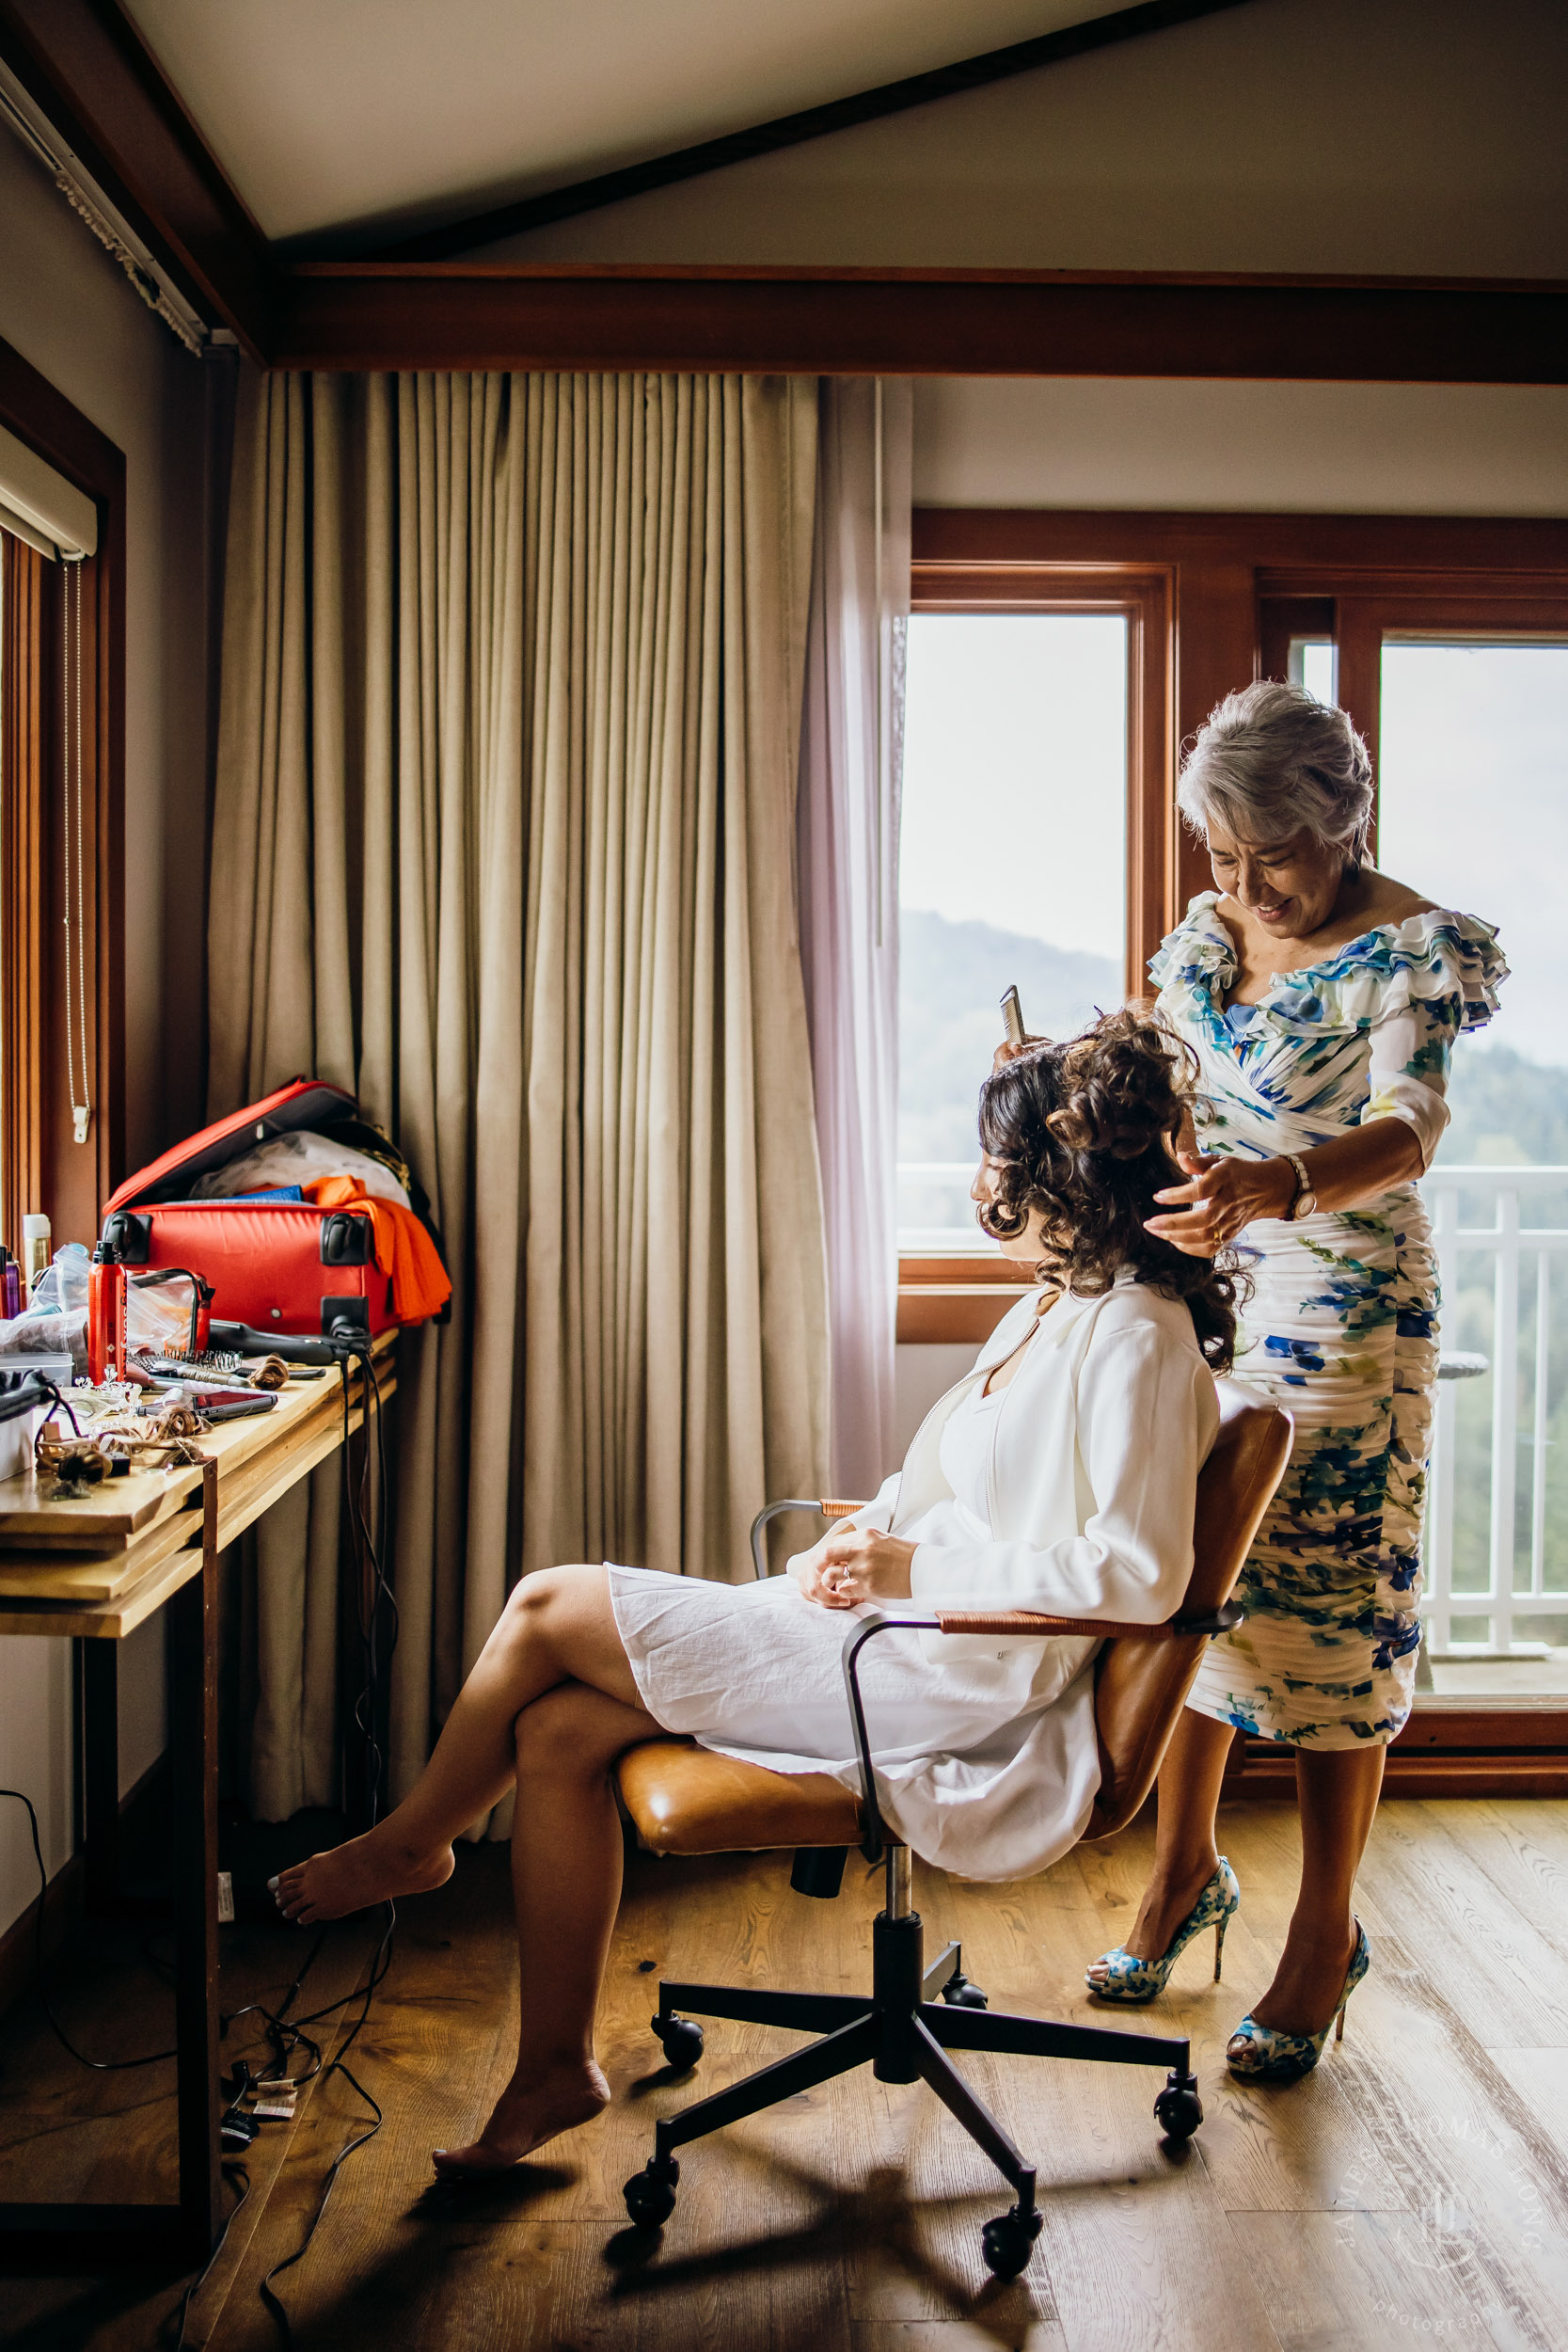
{"type": "Point", "coordinates": [334, 115]}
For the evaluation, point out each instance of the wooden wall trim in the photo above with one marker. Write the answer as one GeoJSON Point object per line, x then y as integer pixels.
{"type": "Point", "coordinates": [75, 1179]}
{"type": "Point", "coordinates": [22, 952]}
{"type": "Point", "coordinates": [87, 70]}
{"type": "Point", "coordinates": [1286, 544]}
{"type": "Point", "coordinates": [358, 315]}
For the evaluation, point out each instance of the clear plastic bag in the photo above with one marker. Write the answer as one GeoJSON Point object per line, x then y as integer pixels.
{"type": "Point", "coordinates": [158, 1316]}
{"type": "Point", "coordinates": [62, 1287]}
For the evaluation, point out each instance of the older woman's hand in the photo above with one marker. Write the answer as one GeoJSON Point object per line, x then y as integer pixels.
{"type": "Point", "coordinates": [860, 1563]}
{"type": "Point", "coordinates": [1007, 1050]}
{"type": "Point", "coordinates": [1225, 1194]}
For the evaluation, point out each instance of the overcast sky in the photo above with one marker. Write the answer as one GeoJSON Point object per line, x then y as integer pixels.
{"type": "Point", "coordinates": [1015, 775]}
{"type": "Point", "coordinates": [1473, 810]}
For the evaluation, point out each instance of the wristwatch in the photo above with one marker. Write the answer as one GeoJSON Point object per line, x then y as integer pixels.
{"type": "Point", "coordinates": [1304, 1200]}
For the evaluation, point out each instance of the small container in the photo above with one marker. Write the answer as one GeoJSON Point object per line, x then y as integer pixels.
{"type": "Point", "coordinates": [36, 1238]}
{"type": "Point", "coordinates": [10, 1286]}
{"type": "Point", "coordinates": [105, 1316]}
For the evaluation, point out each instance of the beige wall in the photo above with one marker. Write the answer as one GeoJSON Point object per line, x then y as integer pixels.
{"type": "Point", "coordinates": [1383, 449]}
{"type": "Point", "coordinates": [68, 310]}
{"type": "Point", "coordinates": [1407, 136]}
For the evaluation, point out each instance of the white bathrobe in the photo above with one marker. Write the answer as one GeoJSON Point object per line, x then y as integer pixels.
{"type": "Point", "coordinates": [1069, 1491]}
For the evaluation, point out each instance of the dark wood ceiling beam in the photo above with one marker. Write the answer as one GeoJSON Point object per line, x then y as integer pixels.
{"type": "Point", "coordinates": [920, 323]}
{"type": "Point", "coordinates": [86, 69]}
{"type": "Point", "coordinates": [812, 122]}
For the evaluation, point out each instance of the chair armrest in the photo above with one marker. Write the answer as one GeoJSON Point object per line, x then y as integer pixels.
{"type": "Point", "coordinates": [865, 1630]}
{"type": "Point", "coordinates": [825, 1505]}
{"type": "Point", "coordinates": [978, 1621]}
{"type": "Point", "coordinates": [1030, 1621]}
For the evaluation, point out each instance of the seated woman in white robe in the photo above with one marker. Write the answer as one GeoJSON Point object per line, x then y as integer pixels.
{"type": "Point", "coordinates": [1059, 1476]}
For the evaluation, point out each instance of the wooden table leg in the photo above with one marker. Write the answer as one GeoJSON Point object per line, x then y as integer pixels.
{"type": "Point", "coordinates": [100, 1699]}
{"type": "Point", "coordinates": [70, 2236]}
{"type": "Point", "coordinates": [193, 1741]}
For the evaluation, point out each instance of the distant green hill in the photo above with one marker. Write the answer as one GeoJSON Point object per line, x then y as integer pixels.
{"type": "Point", "coordinates": [951, 976]}
{"type": "Point", "coordinates": [1507, 1110]}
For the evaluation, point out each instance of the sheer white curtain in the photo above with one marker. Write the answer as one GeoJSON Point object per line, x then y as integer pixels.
{"type": "Point", "coordinates": [847, 827]}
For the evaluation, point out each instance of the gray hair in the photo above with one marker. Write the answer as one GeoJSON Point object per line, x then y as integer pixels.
{"type": "Point", "coordinates": [1272, 761]}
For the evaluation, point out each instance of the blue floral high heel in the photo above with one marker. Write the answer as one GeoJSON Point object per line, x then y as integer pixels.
{"type": "Point", "coordinates": [1261, 2054]}
{"type": "Point", "coordinates": [1133, 1980]}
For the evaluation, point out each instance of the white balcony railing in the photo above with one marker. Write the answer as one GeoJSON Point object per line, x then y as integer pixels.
{"type": "Point", "coordinates": [1497, 1533]}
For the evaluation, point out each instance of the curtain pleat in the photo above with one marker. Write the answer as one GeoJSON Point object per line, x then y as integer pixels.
{"type": "Point", "coordinates": [504, 840]}
{"type": "Point", "coordinates": [851, 782]}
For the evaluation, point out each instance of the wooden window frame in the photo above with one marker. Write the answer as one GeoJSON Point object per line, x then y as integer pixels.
{"type": "Point", "coordinates": [43, 1166]}
{"type": "Point", "coordinates": [948, 1299]}
{"type": "Point", "coordinates": [1213, 600]}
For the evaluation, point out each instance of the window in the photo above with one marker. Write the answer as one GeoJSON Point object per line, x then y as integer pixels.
{"type": "Point", "coordinates": [1446, 641]}
{"type": "Point", "coordinates": [62, 488]}
{"type": "Point", "coordinates": [1037, 847]}
{"type": "Point", "coordinates": [1012, 869]}
{"type": "Point", "coordinates": [1473, 811]}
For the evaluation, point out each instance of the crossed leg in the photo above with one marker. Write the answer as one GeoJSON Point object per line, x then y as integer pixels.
{"type": "Point", "coordinates": [556, 1627]}
{"type": "Point", "coordinates": [550, 1704]}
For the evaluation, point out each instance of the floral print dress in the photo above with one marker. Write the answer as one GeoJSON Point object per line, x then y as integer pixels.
{"type": "Point", "coordinates": [1342, 1325]}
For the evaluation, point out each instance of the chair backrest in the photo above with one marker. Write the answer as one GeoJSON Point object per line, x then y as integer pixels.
{"type": "Point", "coordinates": [1141, 1687]}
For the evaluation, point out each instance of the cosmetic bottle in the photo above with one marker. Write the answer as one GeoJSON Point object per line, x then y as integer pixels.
{"type": "Point", "coordinates": [105, 1316]}
{"type": "Point", "coordinates": [10, 1286]}
{"type": "Point", "coordinates": [36, 1237]}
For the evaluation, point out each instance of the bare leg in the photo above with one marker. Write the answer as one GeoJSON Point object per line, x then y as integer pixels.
{"type": "Point", "coordinates": [1336, 1792]}
{"type": "Point", "coordinates": [566, 1744]}
{"type": "Point", "coordinates": [1186, 1855]}
{"type": "Point", "coordinates": [556, 1627]}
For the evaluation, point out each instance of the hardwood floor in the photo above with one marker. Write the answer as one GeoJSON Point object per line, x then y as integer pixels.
{"type": "Point", "coordinates": [1413, 2191]}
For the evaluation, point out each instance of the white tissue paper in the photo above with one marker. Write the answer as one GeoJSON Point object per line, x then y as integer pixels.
{"type": "Point", "coordinates": [301, 1158]}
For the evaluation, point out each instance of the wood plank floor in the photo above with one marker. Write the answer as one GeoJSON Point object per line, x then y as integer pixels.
{"type": "Point", "coordinates": [1413, 2191]}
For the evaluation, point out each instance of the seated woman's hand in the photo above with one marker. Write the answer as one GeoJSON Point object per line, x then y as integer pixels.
{"type": "Point", "coordinates": [1223, 1195]}
{"type": "Point", "coordinates": [862, 1564]}
{"type": "Point", "coordinates": [806, 1568]}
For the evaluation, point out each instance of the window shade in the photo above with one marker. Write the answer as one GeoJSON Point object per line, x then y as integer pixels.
{"type": "Point", "coordinates": [40, 505]}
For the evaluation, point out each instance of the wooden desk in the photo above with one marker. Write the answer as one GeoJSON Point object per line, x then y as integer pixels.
{"type": "Point", "coordinates": [96, 1568]}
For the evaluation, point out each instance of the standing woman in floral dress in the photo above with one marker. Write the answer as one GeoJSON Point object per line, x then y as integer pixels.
{"type": "Point", "coordinates": [1322, 1001]}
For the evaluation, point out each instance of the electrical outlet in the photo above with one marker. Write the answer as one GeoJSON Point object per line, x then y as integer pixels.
{"type": "Point", "coordinates": [225, 1899]}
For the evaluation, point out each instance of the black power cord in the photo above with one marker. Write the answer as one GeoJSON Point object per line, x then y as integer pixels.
{"type": "Point", "coordinates": [348, 1344]}
{"type": "Point", "coordinates": [236, 2175]}
{"type": "Point", "coordinates": [99, 2066]}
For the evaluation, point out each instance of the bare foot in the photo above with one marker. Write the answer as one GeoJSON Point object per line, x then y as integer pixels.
{"type": "Point", "coordinates": [528, 2112]}
{"type": "Point", "coordinates": [1165, 1904]}
{"type": "Point", "coordinates": [367, 1870]}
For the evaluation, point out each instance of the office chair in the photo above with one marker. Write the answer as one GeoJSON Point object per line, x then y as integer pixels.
{"type": "Point", "coordinates": [683, 1799]}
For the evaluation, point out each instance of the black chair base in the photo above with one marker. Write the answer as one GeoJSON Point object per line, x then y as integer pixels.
{"type": "Point", "coordinates": [904, 2033]}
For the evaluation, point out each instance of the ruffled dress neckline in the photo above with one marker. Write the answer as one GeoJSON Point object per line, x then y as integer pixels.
{"type": "Point", "coordinates": [1435, 953]}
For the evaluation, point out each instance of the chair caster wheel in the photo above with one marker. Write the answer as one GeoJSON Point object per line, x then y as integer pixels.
{"type": "Point", "coordinates": [681, 2039]}
{"type": "Point", "coordinates": [650, 2195]}
{"type": "Point", "coordinates": [959, 1993]}
{"type": "Point", "coordinates": [1179, 2110]}
{"type": "Point", "coordinates": [1007, 2242]}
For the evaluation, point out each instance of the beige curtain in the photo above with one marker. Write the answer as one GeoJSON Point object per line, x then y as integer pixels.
{"type": "Point", "coordinates": [503, 840]}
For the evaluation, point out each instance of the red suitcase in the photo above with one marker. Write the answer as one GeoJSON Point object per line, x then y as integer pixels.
{"type": "Point", "coordinates": [280, 1266]}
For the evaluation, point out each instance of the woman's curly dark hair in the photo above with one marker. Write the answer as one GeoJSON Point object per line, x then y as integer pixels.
{"type": "Point", "coordinates": [1085, 1133]}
